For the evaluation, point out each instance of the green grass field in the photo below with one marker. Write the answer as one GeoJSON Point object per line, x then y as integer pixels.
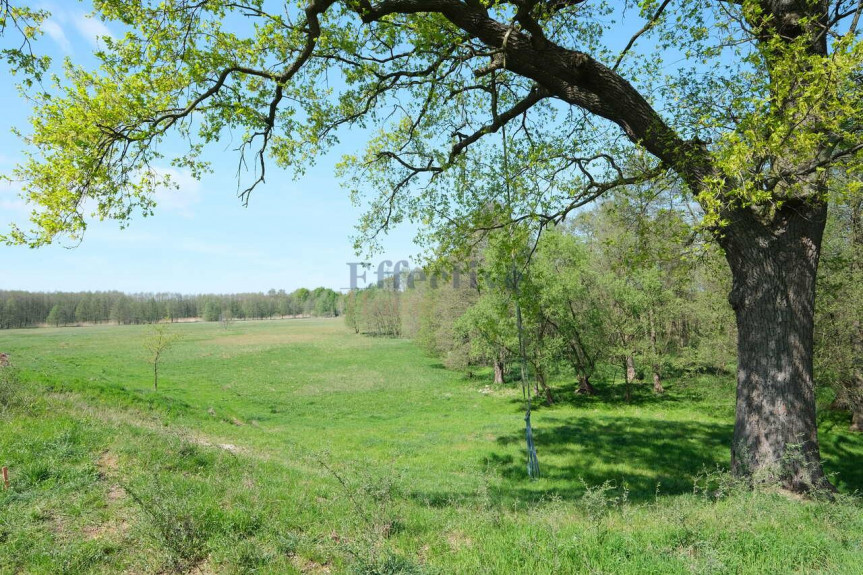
{"type": "Point", "coordinates": [298, 447]}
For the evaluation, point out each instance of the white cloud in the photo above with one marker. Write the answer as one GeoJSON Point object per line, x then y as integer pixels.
{"type": "Point", "coordinates": [16, 207]}
{"type": "Point", "coordinates": [88, 28]}
{"type": "Point", "coordinates": [225, 251]}
{"type": "Point", "coordinates": [91, 29]}
{"type": "Point", "coordinates": [182, 196]}
{"type": "Point", "coordinates": [13, 209]}
{"type": "Point", "coordinates": [55, 31]}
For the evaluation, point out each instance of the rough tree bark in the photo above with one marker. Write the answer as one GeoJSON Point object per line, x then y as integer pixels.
{"type": "Point", "coordinates": [774, 266]}
{"type": "Point", "coordinates": [629, 366]}
{"type": "Point", "coordinates": [584, 385]}
{"type": "Point", "coordinates": [499, 367]}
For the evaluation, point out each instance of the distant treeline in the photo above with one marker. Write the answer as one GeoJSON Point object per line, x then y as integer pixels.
{"type": "Point", "coordinates": [27, 309]}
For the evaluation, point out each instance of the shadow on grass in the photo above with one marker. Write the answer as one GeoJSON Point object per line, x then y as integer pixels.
{"type": "Point", "coordinates": [841, 450]}
{"type": "Point", "coordinates": [640, 453]}
{"type": "Point", "coordinates": [636, 452]}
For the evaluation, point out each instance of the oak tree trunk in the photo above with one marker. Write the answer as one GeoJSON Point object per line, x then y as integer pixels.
{"type": "Point", "coordinates": [584, 386]}
{"type": "Point", "coordinates": [499, 367]}
{"type": "Point", "coordinates": [773, 267]}
{"type": "Point", "coordinates": [657, 382]}
{"type": "Point", "coordinates": [630, 369]}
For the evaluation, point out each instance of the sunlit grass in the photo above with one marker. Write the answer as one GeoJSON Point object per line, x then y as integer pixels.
{"type": "Point", "coordinates": [297, 446]}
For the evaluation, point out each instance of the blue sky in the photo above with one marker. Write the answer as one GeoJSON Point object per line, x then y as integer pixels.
{"type": "Point", "coordinates": [201, 239]}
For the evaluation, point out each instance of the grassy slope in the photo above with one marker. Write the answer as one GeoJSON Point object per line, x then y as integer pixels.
{"type": "Point", "coordinates": [295, 446]}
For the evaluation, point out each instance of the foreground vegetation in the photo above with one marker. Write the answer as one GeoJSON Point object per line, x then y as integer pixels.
{"type": "Point", "coordinates": [298, 447]}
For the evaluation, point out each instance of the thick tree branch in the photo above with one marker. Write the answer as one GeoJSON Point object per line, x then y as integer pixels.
{"type": "Point", "coordinates": [572, 76]}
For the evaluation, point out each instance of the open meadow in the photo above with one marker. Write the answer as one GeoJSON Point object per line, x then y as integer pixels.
{"type": "Point", "coordinates": [297, 446]}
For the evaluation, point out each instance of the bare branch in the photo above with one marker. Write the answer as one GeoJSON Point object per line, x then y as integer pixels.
{"type": "Point", "coordinates": [650, 23]}
{"type": "Point", "coordinates": [536, 95]}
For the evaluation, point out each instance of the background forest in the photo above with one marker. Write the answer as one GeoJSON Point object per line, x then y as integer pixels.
{"type": "Point", "coordinates": [629, 291]}
{"type": "Point", "coordinates": [26, 309]}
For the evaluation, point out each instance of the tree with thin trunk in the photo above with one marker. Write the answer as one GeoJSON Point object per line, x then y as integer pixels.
{"type": "Point", "coordinates": [839, 331]}
{"type": "Point", "coordinates": [654, 352]}
{"type": "Point", "coordinates": [159, 340]}
{"type": "Point", "coordinates": [760, 112]}
{"type": "Point", "coordinates": [567, 297]}
{"type": "Point", "coordinates": [499, 364]}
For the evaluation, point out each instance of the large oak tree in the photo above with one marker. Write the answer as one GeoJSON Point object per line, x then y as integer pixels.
{"type": "Point", "coordinates": [752, 105]}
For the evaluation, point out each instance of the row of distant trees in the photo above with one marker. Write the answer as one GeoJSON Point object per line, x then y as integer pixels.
{"type": "Point", "coordinates": [630, 287]}
{"type": "Point", "coordinates": [19, 309]}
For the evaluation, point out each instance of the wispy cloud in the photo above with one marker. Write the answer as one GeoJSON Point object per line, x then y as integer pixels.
{"type": "Point", "coordinates": [225, 251]}
{"type": "Point", "coordinates": [55, 31]}
{"type": "Point", "coordinates": [12, 207]}
{"type": "Point", "coordinates": [87, 28]}
{"type": "Point", "coordinates": [91, 29]}
{"type": "Point", "coordinates": [182, 196]}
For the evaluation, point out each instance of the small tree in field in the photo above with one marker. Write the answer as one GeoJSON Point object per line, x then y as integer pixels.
{"type": "Point", "coordinates": [159, 340]}
{"type": "Point", "coordinates": [226, 320]}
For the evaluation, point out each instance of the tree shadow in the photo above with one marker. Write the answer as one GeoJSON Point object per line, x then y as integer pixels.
{"type": "Point", "coordinates": [644, 454]}
{"type": "Point", "coordinates": [841, 450]}
{"type": "Point", "coordinates": [647, 456]}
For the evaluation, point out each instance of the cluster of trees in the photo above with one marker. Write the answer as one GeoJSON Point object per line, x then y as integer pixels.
{"type": "Point", "coordinates": [839, 310]}
{"type": "Point", "coordinates": [632, 284]}
{"type": "Point", "coordinates": [374, 311]}
{"type": "Point", "coordinates": [20, 309]}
